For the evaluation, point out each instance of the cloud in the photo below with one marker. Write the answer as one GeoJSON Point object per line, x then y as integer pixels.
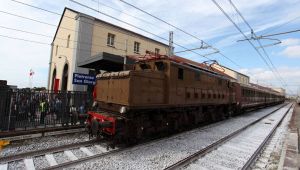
{"type": "Point", "coordinates": [292, 51]}
{"type": "Point", "coordinates": [265, 77]}
{"type": "Point", "coordinates": [200, 18]}
{"type": "Point", "coordinates": [290, 41]}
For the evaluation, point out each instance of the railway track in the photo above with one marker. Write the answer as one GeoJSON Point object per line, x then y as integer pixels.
{"type": "Point", "coordinates": [89, 151]}
{"type": "Point", "coordinates": [111, 154]}
{"type": "Point", "coordinates": [51, 157]}
{"type": "Point", "coordinates": [238, 150]}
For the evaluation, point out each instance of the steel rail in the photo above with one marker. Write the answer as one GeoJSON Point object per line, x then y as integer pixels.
{"type": "Point", "coordinates": [114, 152]}
{"type": "Point", "coordinates": [186, 161]}
{"type": "Point", "coordinates": [255, 155]}
{"type": "Point", "coordinates": [36, 153]}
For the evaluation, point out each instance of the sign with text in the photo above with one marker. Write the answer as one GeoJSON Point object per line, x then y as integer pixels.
{"type": "Point", "coordinates": [84, 79]}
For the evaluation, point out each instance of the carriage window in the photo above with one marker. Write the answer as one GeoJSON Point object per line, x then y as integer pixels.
{"type": "Point", "coordinates": [188, 95]}
{"type": "Point", "coordinates": [195, 95]}
{"type": "Point", "coordinates": [180, 73]}
{"type": "Point", "coordinates": [202, 95]}
{"type": "Point", "coordinates": [209, 95]}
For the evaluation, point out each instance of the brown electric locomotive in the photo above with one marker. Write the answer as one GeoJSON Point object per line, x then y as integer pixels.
{"type": "Point", "coordinates": [166, 95]}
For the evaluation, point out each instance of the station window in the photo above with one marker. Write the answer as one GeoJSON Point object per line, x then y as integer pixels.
{"type": "Point", "coordinates": [180, 73]}
{"type": "Point", "coordinates": [56, 51]}
{"type": "Point", "coordinates": [111, 39]}
{"type": "Point", "coordinates": [136, 47]}
{"type": "Point", "coordinates": [156, 51]}
{"type": "Point", "coordinates": [68, 41]}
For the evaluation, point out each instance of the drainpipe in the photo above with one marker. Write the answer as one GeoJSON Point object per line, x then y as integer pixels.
{"type": "Point", "coordinates": [49, 69]}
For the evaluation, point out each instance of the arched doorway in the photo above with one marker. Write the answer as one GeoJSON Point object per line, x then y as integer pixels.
{"type": "Point", "coordinates": [64, 83]}
{"type": "Point", "coordinates": [53, 78]}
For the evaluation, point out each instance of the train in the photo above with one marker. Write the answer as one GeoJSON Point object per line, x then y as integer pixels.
{"type": "Point", "coordinates": [163, 95]}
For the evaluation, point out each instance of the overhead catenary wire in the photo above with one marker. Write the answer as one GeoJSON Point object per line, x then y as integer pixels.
{"type": "Point", "coordinates": [53, 25]}
{"type": "Point", "coordinates": [65, 16]}
{"type": "Point", "coordinates": [56, 13]}
{"type": "Point", "coordinates": [45, 43]}
{"type": "Point", "coordinates": [281, 33]}
{"type": "Point", "coordinates": [134, 26]}
{"type": "Point", "coordinates": [237, 27]}
{"type": "Point", "coordinates": [281, 25]}
{"type": "Point", "coordinates": [112, 18]}
{"type": "Point", "coordinates": [261, 46]}
{"type": "Point", "coordinates": [65, 39]}
{"type": "Point", "coordinates": [181, 30]}
{"type": "Point", "coordinates": [135, 17]}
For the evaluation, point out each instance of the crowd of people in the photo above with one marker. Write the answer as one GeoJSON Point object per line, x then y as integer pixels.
{"type": "Point", "coordinates": [47, 108]}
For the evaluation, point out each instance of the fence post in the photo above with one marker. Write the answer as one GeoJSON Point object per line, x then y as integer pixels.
{"type": "Point", "coordinates": [5, 105]}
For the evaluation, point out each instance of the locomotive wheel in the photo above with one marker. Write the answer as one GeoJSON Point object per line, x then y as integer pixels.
{"type": "Point", "coordinates": [94, 127]}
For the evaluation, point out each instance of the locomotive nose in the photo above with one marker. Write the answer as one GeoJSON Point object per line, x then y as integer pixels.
{"type": "Point", "coordinates": [105, 124]}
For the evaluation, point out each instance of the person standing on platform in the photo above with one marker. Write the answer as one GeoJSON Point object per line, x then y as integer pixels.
{"type": "Point", "coordinates": [58, 109]}
{"type": "Point", "coordinates": [43, 109]}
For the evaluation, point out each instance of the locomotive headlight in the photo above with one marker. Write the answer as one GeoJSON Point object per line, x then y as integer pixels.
{"type": "Point", "coordinates": [123, 110]}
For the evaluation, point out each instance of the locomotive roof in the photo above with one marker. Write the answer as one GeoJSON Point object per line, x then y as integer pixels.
{"type": "Point", "coordinates": [183, 62]}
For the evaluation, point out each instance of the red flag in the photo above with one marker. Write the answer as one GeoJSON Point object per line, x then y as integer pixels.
{"type": "Point", "coordinates": [31, 72]}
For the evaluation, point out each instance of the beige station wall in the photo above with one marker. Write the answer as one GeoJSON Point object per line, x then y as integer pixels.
{"type": "Point", "coordinates": [99, 42]}
{"type": "Point", "coordinates": [238, 76]}
{"type": "Point", "coordinates": [60, 49]}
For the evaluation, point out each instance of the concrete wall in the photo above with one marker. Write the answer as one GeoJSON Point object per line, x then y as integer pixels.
{"type": "Point", "coordinates": [61, 54]}
{"type": "Point", "coordinates": [123, 40]}
{"type": "Point", "coordinates": [241, 78]}
{"type": "Point", "coordinates": [88, 37]}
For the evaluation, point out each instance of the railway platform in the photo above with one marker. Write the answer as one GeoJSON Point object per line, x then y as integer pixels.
{"type": "Point", "coordinates": [290, 157]}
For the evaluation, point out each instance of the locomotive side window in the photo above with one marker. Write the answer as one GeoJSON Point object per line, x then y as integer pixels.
{"type": "Point", "coordinates": [220, 82]}
{"type": "Point", "coordinates": [180, 73]}
{"type": "Point", "coordinates": [160, 66]}
{"type": "Point", "coordinates": [145, 66]}
{"type": "Point", "coordinates": [197, 76]}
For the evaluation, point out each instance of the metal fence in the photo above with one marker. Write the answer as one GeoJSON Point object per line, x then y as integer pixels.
{"type": "Point", "coordinates": [25, 109]}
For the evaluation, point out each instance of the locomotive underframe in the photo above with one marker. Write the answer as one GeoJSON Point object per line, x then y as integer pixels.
{"type": "Point", "coordinates": [143, 123]}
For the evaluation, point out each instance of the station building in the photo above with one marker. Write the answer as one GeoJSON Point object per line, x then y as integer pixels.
{"type": "Point", "coordinates": [238, 77]}
{"type": "Point", "coordinates": [84, 44]}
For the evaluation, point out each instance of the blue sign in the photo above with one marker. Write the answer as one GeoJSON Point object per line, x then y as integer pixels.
{"type": "Point", "coordinates": [84, 79]}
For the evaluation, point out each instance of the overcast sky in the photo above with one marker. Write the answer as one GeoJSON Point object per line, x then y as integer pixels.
{"type": "Point", "coordinates": [198, 17]}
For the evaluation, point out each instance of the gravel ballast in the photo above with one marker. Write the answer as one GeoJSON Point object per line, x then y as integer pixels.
{"type": "Point", "coordinates": [43, 143]}
{"type": "Point", "coordinates": [163, 153]}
